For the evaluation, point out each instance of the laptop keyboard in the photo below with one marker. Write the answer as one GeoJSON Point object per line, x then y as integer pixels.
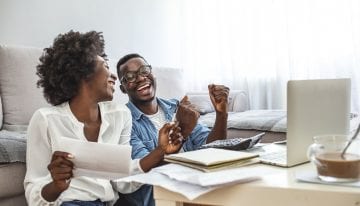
{"type": "Point", "coordinates": [278, 156]}
{"type": "Point", "coordinates": [273, 154]}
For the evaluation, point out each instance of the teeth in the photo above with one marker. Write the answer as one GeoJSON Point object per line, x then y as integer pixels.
{"type": "Point", "coordinates": [140, 88]}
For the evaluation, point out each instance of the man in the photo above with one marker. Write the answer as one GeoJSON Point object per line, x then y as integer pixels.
{"type": "Point", "coordinates": [149, 113]}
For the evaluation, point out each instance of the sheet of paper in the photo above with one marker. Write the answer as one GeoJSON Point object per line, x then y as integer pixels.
{"type": "Point", "coordinates": [99, 160]}
{"type": "Point", "coordinates": [192, 183]}
{"type": "Point", "coordinates": [218, 178]}
{"type": "Point", "coordinates": [190, 191]}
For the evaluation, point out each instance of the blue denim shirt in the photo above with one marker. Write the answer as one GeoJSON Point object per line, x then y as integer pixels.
{"type": "Point", "coordinates": [144, 139]}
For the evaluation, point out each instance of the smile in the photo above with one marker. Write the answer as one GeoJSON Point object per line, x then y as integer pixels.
{"type": "Point", "coordinates": [143, 86]}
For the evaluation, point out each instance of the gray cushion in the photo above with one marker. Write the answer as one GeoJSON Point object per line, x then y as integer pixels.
{"type": "Point", "coordinates": [1, 113]}
{"type": "Point", "coordinates": [201, 101]}
{"type": "Point", "coordinates": [18, 90]}
{"type": "Point", "coordinates": [11, 182]}
{"type": "Point", "coordinates": [238, 101]}
{"type": "Point", "coordinates": [170, 82]}
{"type": "Point", "coordinates": [12, 147]}
{"type": "Point", "coordinates": [18, 200]}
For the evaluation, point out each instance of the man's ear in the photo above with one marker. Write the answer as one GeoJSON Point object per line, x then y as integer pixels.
{"type": "Point", "coordinates": [122, 88]}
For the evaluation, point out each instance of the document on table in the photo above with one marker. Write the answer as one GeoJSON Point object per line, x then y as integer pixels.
{"type": "Point", "coordinates": [191, 182]}
{"type": "Point", "coordinates": [190, 191]}
{"type": "Point", "coordinates": [99, 160]}
{"type": "Point", "coordinates": [210, 179]}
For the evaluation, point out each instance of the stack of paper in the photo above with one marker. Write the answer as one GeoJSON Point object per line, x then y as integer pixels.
{"type": "Point", "coordinates": [213, 159]}
{"type": "Point", "coordinates": [193, 183]}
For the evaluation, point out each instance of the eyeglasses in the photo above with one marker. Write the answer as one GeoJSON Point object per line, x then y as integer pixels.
{"type": "Point", "coordinates": [131, 76]}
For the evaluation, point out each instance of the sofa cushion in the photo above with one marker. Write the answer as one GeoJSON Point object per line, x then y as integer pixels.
{"type": "Point", "coordinates": [238, 101]}
{"type": "Point", "coordinates": [11, 181]}
{"type": "Point", "coordinates": [12, 146]}
{"type": "Point", "coordinates": [170, 82]}
{"type": "Point", "coordinates": [202, 102]}
{"type": "Point", "coordinates": [20, 95]}
{"type": "Point", "coordinates": [1, 114]}
{"type": "Point", "coordinates": [18, 200]}
{"type": "Point", "coordinates": [262, 120]}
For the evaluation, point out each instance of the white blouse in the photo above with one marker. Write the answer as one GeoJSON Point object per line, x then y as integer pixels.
{"type": "Point", "coordinates": [48, 124]}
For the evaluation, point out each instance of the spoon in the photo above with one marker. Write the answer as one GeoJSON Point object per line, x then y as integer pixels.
{"type": "Point", "coordinates": [351, 140]}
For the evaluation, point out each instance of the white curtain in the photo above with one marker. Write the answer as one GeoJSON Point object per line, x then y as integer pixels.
{"type": "Point", "coordinates": [257, 45]}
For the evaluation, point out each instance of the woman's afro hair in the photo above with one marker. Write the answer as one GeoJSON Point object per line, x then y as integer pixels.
{"type": "Point", "coordinates": [71, 59]}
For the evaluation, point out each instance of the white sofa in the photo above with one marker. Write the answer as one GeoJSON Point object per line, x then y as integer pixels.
{"type": "Point", "coordinates": [19, 99]}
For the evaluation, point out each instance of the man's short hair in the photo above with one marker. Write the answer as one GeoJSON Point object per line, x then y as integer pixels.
{"type": "Point", "coordinates": [124, 59]}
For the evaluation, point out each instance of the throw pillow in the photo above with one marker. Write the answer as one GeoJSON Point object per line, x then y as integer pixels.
{"type": "Point", "coordinates": [1, 114]}
{"type": "Point", "coordinates": [170, 82]}
{"type": "Point", "coordinates": [239, 101]}
{"type": "Point", "coordinates": [202, 102]}
{"type": "Point", "coordinates": [18, 90]}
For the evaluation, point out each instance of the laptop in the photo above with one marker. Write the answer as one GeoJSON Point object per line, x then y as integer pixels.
{"type": "Point", "coordinates": [314, 107]}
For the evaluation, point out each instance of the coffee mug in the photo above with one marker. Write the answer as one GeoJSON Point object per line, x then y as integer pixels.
{"type": "Point", "coordinates": [331, 165]}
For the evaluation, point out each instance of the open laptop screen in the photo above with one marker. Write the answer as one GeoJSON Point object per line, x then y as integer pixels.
{"type": "Point", "coordinates": [315, 107]}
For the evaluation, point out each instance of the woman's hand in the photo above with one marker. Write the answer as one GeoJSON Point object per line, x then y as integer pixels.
{"type": "Point", "coordinates": [60, 169]}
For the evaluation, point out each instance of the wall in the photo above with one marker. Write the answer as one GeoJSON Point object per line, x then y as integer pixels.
{"type": "Point", "coordinates": [128, 25]}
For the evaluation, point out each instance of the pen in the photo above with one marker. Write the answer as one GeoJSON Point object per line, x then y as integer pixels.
{"type": "Point", "coordinates": [174, 120]}
{"type": "Point", "coordinates": [174, 116]}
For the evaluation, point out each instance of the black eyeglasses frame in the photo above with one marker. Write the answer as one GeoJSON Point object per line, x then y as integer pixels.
{"type": "Point", "coordinates": [136, 74]}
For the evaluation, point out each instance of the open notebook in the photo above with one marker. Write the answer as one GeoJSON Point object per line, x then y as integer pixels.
{"type": "Point", "coordinates": [212, 159]}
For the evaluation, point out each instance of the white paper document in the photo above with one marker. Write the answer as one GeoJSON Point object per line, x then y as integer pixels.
{"type": "Point", "coordinates": [99, 160]}
{"type": "Point", "coordinates": [190, 191]}
{"type": "Point", "coordinates": [218, 178]}
{"type": "Point", "coordinates": [191, 182]}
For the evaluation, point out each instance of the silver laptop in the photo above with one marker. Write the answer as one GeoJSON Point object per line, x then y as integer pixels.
{"type": "Point", "coordinates": [314, 107]}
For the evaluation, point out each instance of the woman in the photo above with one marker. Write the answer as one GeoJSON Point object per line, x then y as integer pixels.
{"type": "Point", "coordinates": [76, 80]}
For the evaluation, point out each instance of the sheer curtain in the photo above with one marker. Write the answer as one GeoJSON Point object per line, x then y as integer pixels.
{"type": "Point", "coordinates": [257, 45]}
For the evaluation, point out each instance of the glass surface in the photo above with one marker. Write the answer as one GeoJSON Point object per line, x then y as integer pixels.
{"type": "Point", "coordinates": [331, 166]}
